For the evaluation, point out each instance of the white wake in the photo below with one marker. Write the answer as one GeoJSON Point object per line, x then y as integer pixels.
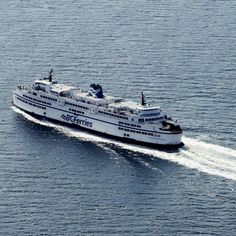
{"type": "Point", "coordinates": [196, 154]}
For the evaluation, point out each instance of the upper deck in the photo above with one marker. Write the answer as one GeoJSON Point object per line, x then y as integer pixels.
{"type": "Point", "coordinates": [108, 102]}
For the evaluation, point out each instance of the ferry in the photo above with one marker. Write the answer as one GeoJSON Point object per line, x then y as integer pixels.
{"type": "Point", "coordinates": [105, 115]}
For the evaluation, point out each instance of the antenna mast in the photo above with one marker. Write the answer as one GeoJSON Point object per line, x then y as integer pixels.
{"type": "Point", "coordinates": [143, 101]}
{"type": "Point", "coordinates": [50, 75]}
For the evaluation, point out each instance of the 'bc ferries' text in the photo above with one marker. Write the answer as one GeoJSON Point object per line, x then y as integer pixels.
{"type": "Point", "coordinates": [76, 120]}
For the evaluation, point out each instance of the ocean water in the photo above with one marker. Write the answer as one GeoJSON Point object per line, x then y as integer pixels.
{"type": "Point", "coordinates": [56, 180]}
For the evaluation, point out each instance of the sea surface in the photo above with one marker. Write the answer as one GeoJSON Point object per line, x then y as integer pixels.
{"type": "Point", "coordinates": [56, 180]}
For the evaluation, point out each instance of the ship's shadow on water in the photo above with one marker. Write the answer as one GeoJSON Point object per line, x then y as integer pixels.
{"type": "Point", "coordinates": [140, 160]}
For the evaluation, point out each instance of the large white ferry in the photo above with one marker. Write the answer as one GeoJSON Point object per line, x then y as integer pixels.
{"type": "Point", "coordinates": [94, 111]}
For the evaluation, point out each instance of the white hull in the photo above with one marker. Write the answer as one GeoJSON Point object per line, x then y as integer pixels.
{"type": "Point", "coordinates": [91, 119]}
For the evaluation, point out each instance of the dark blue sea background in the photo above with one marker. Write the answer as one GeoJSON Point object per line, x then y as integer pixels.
{"type": "Point", "coordinates": [56, 180]}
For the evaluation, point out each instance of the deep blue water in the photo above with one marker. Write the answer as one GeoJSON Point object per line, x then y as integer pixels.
{"type": "Point", "coordinates": [59, 181]}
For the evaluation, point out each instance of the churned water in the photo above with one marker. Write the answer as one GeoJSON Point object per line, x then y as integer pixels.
{"type": "Point", "coordinates": [55, 180]}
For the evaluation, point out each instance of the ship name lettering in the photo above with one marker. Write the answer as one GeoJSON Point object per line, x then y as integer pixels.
{"type": "Point", "coordinates": [75, 120]}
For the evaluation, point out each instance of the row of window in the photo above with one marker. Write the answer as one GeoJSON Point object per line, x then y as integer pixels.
{"type": "Point", "coordinates": [75, 105]}
{"type": "Point", "coordinates": [110, 114]}
{"type": "Point", "coordinates": [135, 131]}
{"type": "Point", "coordinates": [53, 99]}
{"type": "Point", "coordinates": [153, 119]}
{"type": "Point", "coordinates": [76, 111]}
{"type": "Point", "coordinates": [128, 124]}
{"type": "Point", "coordinates": [32, 104]}
{"type": "Point", "coordinates": [151, 114]}
{"type": "Point", "coordinates": [37, 100]}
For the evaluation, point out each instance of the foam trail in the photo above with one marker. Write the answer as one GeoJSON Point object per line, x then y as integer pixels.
{"type": "Point", "coordinates": [209, 158]}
